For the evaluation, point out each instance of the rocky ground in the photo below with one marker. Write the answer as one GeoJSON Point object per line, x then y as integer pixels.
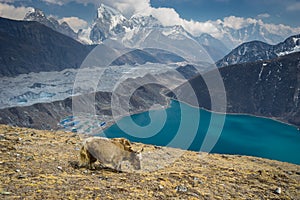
{"type": "Point", "coordinates": [37, 164]}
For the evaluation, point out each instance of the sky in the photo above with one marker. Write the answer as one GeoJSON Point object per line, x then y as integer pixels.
{"type": "Point", "coordinates": [197, 15]}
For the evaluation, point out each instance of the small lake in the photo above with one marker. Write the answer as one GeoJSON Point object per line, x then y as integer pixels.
{"type": "Point", "coordinates": [186, 127]}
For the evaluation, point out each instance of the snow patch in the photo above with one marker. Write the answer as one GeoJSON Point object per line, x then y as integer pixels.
{"type": "Point", "coordinates": [84, 36]}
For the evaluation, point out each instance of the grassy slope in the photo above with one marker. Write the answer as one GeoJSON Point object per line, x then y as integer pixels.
{"type": "Point", "coordinates": [38, 164]}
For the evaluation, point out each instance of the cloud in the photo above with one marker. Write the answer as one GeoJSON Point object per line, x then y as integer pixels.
{"type": "Point", "coordinates": [263, 15]}
{"type": "Point", "coordinates": [55, 2]}
{"type": "Point", "coordinates": [75, 23]}
{"type": "Point", "coordinates": [12, 12]}
{"type": "Point", "coordinates": [293, 7]}
{"type": "Point", "coordinates": [238, 22]}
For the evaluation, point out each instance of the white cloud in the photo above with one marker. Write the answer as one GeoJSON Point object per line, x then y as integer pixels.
{"type": "Point", "coordinates": [12, 12]}
{"type": "Point", "coordinates": [281, 29]}
{"type": "Point", "coordinates": [294, 7]}
{"type": "Point", "coordinates": [55, 2]}
{"type": "Point", "coordinates": [75, 23]}
{"type": "Point", "coordinates": [238, 22]}
{"type": "Point", "coordinates": [263, 15]}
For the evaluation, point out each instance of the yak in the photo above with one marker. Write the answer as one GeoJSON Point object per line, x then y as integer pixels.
{"type": "Point", "coordinates": [109, 152]}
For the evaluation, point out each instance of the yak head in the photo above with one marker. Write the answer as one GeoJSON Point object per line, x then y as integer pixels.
{"type": "Point", "coordinates": [136, 157]}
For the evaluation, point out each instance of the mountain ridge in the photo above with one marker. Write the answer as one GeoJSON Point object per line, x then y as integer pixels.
{"type": "Point", "coordinates": [111, 24]}
{"type": "Point", "coordinates": [42, 49]}
{"type": "Point", "coordinates": [263, 88]}
{"type": "Point", "coordinates": [258, 50]}
{"type": "Point", "coordinates": [39, 16]}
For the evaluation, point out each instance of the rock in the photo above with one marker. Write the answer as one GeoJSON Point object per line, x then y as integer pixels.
{"type": "Point", "coordinates": [278, 190]}
{"type": "Point", "coordinates": [77, 148]}
{"type": "Point", "coordinates": [21, 176]}
{"type": "Point", "coordinates": [29, 158]}
{"type": "Point", "coordinates": [2, 137]}
{"type": "Point", "coordinates": [102, 178]}
{"type": "Point", "coordinates": [161, 187]}
{"type": "Point", "coordinates": [59, 167]}
{"type": "Point", "coordinates": [5, 193]}
{"type": "Point", "coordinates": [17, 170]}
{"type": "Point", "coordinates": [196, 181]}
{"type": "Point", "coordinates": [181, 188]}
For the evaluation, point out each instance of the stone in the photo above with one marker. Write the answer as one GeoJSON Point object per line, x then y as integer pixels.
{"type": "Point", "coordinates": [181, 188]}
{"type": "Point", "coordinates": [278, 190]}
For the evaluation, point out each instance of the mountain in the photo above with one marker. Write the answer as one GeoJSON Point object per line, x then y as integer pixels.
{"type": "Point", "coordinates": [232, 37]}
{"type": "Point", "coordinates": [248, 52]}
{"type": "Point", "coordinates": [215, 48]}
{"type": "Point", "coordinates": [109, 23]}
{"type": "Point", "coordinates": [141, 57]}
{"type": "Point", "coordinates": [138, 30]}
{"type": "Point", "coordinates": [39, 16]}
{"type": "Point", "coordinates": [257, 50]}
{"type": "Point", "coordinates": [28, 46]}
{"type": "Point", "coordinates": [263, 88]}
{"type": "Point", "coordinates": [290, 45]}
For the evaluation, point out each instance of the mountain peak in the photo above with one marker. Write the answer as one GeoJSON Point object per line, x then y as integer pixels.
{"type": "Point", "coordinates": [145, 21]}
{"type": "Point", "coordinates": [258, 50]}
{"type": "Point", "coordinates": [107, 12]}
{"type": "Point", "coordinates": [39, 16]}
{"type": "Point", "coordinates": [34, 14]}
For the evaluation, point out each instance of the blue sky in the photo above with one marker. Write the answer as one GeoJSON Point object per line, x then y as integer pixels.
{"type": "Point", "coordinates": [274, 11]}
{"type": "Point", "coordinates": [270, 11]}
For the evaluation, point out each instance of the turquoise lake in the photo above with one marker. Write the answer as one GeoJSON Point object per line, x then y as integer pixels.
{"type": "Point", "coordinates": [196, 129]}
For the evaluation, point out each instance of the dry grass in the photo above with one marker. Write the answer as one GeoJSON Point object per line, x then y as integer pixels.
{"type": "Point", "coordinates": [38, 164]}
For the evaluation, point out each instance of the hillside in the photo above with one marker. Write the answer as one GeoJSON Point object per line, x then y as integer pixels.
{"type": "Point", "coordinates": [263, 88]}
{"type": "Point", "coordinates": [44, 165]}
{"type": "Point", "coordinates": [32, 47]}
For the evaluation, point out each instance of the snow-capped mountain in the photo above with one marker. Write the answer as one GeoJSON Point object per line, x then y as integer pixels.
{"type": "Point", "coordinates": [257, 50]}
{"type": "Point", "coordinates": [112, 24]}
{"type": "Point", "coordinates": [213, 46]}
{"type": "Point", "coordinates": [290, 45]}
{"type": "Point", "coordinates": [145, 21]}
{"type": "Point", "coordinates": [39, 16]}
{"type": "Point", "coordinates": [141, 31]}
{"type": "Point", "coordinates": [108, 24]}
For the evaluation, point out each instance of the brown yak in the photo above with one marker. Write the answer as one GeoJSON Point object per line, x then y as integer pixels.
{"type": "Point", "coordinates": [109, 152]}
